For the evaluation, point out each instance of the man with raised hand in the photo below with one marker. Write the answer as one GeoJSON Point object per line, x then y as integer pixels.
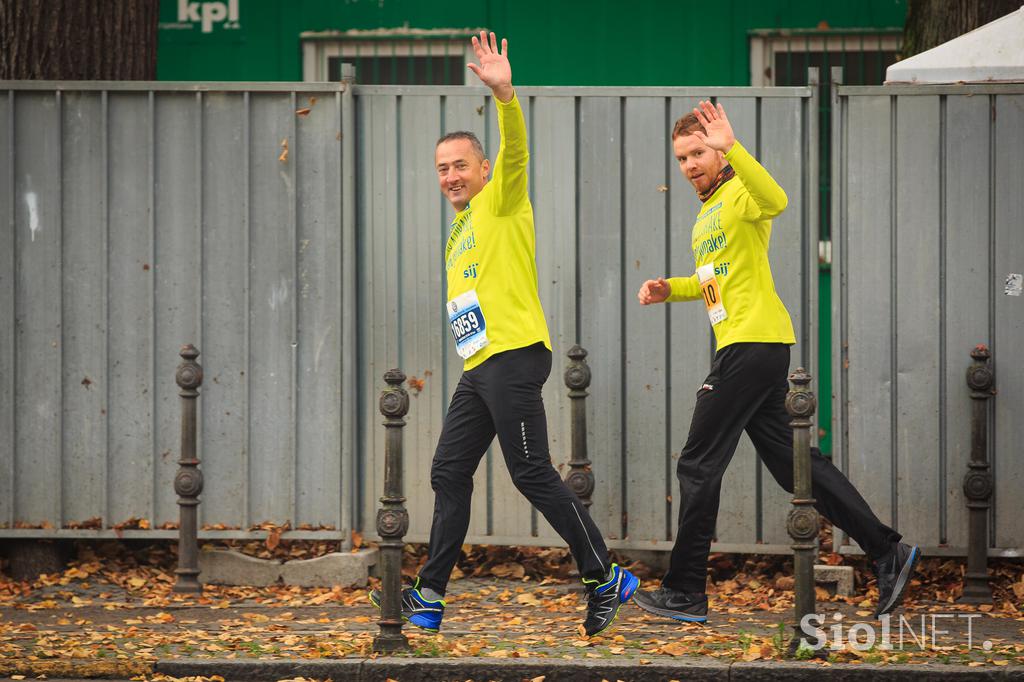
{"type": "Point", "coordinates": [499, 328]}
{"type": "Point", "coordinates": [746, 388]}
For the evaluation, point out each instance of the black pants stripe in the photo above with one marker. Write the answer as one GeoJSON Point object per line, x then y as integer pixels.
{"type": "Point", "coordinates": [502, 397]}
{"type": "Point", "coordinates": [748, 385]}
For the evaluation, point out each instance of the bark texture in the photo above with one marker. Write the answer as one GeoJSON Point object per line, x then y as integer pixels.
{"type": "Point", "coordinates": [78, 39]}
{"type": "Point", "coordinates": [933, 22]}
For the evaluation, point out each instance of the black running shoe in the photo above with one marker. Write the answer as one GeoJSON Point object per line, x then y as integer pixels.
{"type": "Point", "coordinates": [690, 607]}
{"type": "Point", "coordinates": [893, 572]}
{"type": "Point", "coordinates": [604, 599]}
{"type": "Point", "coordinates": [417, 609]}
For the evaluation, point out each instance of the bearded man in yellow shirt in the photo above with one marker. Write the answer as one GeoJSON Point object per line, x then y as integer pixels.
{"type": "Point", "coordinates": [501, 333]}
{"type": "Point", "coordinates": [746, 388]}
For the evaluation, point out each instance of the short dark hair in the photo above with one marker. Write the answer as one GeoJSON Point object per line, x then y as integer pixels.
{"type": "Point", "coordinates": [464, 135]}
{"type": "Point", "coordinates": [687, 125]}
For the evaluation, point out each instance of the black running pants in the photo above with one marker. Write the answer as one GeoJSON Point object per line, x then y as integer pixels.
{"type": "Point", "coordinates": [746, 390]}
{"type": "Point", "coordinates": [502, 396]}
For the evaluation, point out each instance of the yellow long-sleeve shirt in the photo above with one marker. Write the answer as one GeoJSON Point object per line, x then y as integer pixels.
{"type": "Point", "coordinates": [730, 239]}
{"type": "Point", "coordinates": [491, 250]}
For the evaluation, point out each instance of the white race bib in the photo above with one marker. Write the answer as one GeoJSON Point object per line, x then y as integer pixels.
{"type": "Point", "coordinates": [468, 324]}
{"type": "Point", "coordinates": [712, 293]}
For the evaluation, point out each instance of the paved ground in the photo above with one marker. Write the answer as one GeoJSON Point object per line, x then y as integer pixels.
{"type": "Point", "coordinates": [493, 629]}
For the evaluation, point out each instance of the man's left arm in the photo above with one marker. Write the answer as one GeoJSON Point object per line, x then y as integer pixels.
{"type": "Point", "coordinates": [767, 198]}
{"type": "Point", "coordinates": [495, 71]}
{"type": "Point", "coordinates": [510, 177]}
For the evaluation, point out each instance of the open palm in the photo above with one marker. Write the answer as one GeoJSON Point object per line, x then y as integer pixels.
{"type": "Point", "coordinates": [719, 131]}
{"type": "Point", "coordinates": [494, 69]}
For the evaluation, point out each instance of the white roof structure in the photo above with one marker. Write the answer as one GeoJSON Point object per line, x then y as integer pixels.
{"type": "Point", "coordinates": [993, 53]}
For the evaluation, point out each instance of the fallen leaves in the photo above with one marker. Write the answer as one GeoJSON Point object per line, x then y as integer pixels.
{"type": "Point", "coordinates": [132, 523]}
{"type": "Point", "coordinates": [507, 612]}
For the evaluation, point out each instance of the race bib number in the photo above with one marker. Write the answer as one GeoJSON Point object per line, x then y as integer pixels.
{"type": "Point", "coordinates": [468, 324]}
{"type": "Point", "coordinates": [712, 293]}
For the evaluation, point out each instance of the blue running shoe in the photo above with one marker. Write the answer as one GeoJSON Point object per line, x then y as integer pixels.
{"type": "Point", "coordinates": [416, 608]}
{"type": "Point", "coordinates": [604, 599]}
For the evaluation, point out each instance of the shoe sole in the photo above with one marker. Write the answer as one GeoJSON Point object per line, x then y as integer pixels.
{"type": "Point", "coordinates": [632, 591]}
{"type": "Point", "coordinates": [406, 618]}
{"type": "Point", "coordinates": [674, 615]}
{"type": "Point", "coordinates": [901, 582]}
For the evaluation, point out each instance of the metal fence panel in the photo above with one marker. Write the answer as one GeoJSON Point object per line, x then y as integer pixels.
{"type": "Point", "coordinates": [645, 350]}
{"type": "Point", "coordinates": [84, 294]}
{"type": "Point", "coordinates": [227, 276]}
{"type": "Point", "coordinates": [917, 313]}
{"type": "Point", "coordinates": [600, 216]}
{"type": "Point", "coordinates": [611, 210]}
{"type": "Point", "coordinates": [131, 310]}
{"type": "Point", "coordinates": [8, 306]}
{"type": "Point", "coordinates": [143, 216]}
{"type": "Point", "coordinates": [1009, 332]}
{"type": "Point", "coordinates": [301, 251]}
{"type": "Point", "coordinates": [38, 251]}
{"type": "Point", "coordinates": [319, 292]}
{"type": "Point", "coordinates": [927, 230]}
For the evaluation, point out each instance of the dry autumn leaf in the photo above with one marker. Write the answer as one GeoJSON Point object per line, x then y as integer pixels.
{"type": "Point", "coordinates": [416, 385]}
{"type": "Point", "coordinates": [508, 570]}
{"type": "Point", "coordinates": [273, 539]}
{"type": "Point", "coordinates": [673, 649]}
{"type": "Point", "coordinates": [527, 599]}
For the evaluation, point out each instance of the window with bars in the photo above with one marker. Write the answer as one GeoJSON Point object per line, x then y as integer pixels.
{"type": "Point", "coordinates": [388, 57]}
{"type": "Point", "coordinates": [782, 58]}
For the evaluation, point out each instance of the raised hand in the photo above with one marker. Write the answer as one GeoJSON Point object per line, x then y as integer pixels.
{"type": "Point", "coordinates": [719, 131]}
{"type": "Point", "coordinates": [494, 69]}
{"type": "Point", "coordinates": [654, 291]}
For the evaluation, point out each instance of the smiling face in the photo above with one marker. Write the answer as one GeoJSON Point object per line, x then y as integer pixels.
{"type": "Point", "coordinates": [698, 162]}
{"type": "Point", "coordinates": [461, 171]}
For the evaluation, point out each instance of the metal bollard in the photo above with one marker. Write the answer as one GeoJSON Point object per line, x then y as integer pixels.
{"type": "Point", "coordinates": [978, 483]}
{"type": "Point", "coordinates": [580, 478]}
{"type": "Point", "coordinates": [802, 523]}
{"type": "Point", "coordinates": [392, 517]}
{"type": "Point", "coordinates": [188, 482]}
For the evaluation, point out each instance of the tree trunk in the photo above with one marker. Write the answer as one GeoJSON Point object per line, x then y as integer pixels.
{"type": "Point", "coordinates": [933, 22]}
{"type": "Point", "coordinates": [78, 39]}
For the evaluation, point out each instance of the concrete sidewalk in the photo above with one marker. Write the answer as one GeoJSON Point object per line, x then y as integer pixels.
{"type": "Point", "coordinates": [494, 629]}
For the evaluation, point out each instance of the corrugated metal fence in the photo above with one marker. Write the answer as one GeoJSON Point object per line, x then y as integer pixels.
{"type": "Point", "coordinates": [611, 210]}
{"type": "Point", "coordinates": [137, 217]}
{"type": "Point", "coordinates": [928, 220]}
{"type": "Point", "coordinates": [301, 251]}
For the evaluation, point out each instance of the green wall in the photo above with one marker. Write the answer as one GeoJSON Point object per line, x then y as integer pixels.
{"type": "Point", "coordinates": [566, 42]}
